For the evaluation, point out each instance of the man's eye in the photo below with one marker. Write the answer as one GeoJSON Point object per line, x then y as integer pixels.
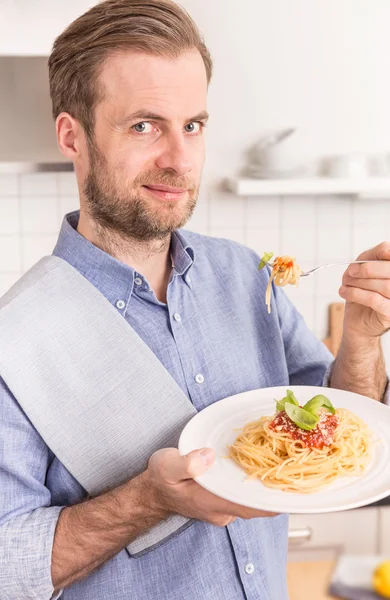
{"type": "Point", "coordinates": [194, 127]}
{"type": "Point", "coordinates": [143, 127]}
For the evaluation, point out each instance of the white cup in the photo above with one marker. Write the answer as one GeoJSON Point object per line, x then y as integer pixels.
{"type": "Point", "coordinates": [348, 165]}
{"type": "Point", "coordinates": [380, 165]}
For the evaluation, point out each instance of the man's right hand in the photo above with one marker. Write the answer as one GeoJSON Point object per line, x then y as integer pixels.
{"type": "Point", "coordinates": [90, 533]}
{"type": "Point", "coordinates": [173, 489]}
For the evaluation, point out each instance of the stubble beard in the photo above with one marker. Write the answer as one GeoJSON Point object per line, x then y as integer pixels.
{"type": "Point", "coordinates": [125, 214]}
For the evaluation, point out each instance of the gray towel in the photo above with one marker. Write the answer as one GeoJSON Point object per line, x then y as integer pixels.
{"type": "Point", "coordinates": [94, 390]}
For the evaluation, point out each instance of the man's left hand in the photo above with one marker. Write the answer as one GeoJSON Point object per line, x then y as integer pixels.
{"type": "Point", "coordinates": [366, 288]}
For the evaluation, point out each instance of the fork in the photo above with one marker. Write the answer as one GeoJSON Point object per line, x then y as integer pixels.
{"type": "Point", "coordinates": [353, 262]}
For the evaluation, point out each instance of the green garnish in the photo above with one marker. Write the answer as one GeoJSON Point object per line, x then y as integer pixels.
{"type": "Point", "coordinates": [318, 402]}
{"type": "Point", "coordinates": [308, 416]}
{"type": "Point", "coordinates": [301, 417]}
{"type": "Point", "coordinates": [280, 404]}
{"type": "Point", "coordinates": [267, 256]}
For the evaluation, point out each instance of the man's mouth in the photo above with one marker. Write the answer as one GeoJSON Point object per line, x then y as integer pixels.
{"type": "Point", "coordinates": [166, 192]}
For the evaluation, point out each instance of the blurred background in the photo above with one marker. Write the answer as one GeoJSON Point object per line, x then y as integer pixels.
{"type": "Point", "coordinates": [298, 162]}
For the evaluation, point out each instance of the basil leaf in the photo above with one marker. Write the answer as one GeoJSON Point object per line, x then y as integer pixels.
{"type": "Point", "coordinates": [301, 417]}
{"type": "Point", "coordinates": [320, 401]}
{"type": "Point", "coordinates": [292, 398]}
{"type": "Point", "coordinates": [266, 257]}
{"type": "Point", "coordinates": [280, 404]}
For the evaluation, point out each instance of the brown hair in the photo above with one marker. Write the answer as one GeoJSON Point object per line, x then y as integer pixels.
{"type": "Point", "coordinates": [156, 27]}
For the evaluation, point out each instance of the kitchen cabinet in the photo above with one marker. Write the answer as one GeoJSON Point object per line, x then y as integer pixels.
{"type": "Point", "coordinates": [315, 542]}
{"type": "Point", "coordinates": [309, 581]}
{"type": "Point", "coordinates": [27, 128]}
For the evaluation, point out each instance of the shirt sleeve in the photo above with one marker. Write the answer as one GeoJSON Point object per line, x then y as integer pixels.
{"type": "Point", "coordinates": [308, 360]}
{"type": "Point", "coordinates": [27, 521]}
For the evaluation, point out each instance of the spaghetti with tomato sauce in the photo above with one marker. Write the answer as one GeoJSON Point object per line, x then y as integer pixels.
{"type": "Point", "coordinates": [283, 456]}
{"type": "Point", "coordinates": [285, 270]}
{"type": "Point", "coordinates": [322, 435]}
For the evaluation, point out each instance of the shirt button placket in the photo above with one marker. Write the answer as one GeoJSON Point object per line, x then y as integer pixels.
{"type": "Point", "coordinates": [199, 378]}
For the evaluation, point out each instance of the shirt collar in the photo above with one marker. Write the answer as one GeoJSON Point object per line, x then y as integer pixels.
{"type": "Point", "coordinates": [183, 255]}
{"type": "Point", "coordinates": [111, 277]}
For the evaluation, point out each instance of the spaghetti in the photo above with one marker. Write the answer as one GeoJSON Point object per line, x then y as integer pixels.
{"type": "Point", "coordinates": [285, 270]}
{"type": "Point", "coordinates": [285, 457]}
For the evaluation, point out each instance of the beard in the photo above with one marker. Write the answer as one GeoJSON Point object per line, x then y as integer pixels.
{"type": "Point", "coordinates": [121, 209]}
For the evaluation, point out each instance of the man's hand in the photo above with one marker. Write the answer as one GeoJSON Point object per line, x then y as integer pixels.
{"type": "Point", "coordinates": [90, 533]}
{"type": "Point", "coordinates": [360, 365]}
{"type": "Point", "coordinates": [366, 288]}
{"type": "Point", "coordinates": [175, 491]}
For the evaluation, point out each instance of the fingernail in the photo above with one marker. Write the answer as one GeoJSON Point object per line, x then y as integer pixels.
{"type": "Point", "coordinates": [207, 456]}
{"type": "Point", "coordinates": [353, 270]}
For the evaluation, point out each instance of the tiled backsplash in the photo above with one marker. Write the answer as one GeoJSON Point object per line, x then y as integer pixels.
{"type": "Point", "coordinates": [315, 230]}
{"type": "Point", "coordinates": [31, 209]}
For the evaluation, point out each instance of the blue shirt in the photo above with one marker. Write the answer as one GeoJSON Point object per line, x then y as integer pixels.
{"type": "Point", "coordinates": [216, 339]}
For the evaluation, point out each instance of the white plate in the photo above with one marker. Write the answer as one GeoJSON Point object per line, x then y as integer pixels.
{"type": "Point", "coordinates": [216, 427]}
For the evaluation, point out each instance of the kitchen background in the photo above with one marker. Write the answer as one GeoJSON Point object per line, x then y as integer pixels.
{"type": "Point", "coordinates": [320, 67]}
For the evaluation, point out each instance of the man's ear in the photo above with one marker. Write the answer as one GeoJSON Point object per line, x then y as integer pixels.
{"type": "Point", "coordinates": [70, 136]}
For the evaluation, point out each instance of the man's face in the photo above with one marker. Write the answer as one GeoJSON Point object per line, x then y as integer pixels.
{"type": "Point", "coordinates": [146, 159]}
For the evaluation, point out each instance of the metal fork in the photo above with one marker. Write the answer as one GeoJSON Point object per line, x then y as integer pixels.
{"type": "Point", "coordinates": [353, 262]}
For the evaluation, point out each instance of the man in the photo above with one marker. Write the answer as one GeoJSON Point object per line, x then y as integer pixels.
{"type": "Point", "coordinates": [129, 83]}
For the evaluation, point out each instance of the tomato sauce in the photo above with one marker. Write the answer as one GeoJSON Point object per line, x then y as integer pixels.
{"type": "Point", "coordinates": [320, 436]}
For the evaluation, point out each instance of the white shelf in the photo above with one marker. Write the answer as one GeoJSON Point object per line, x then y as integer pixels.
{"type": "Point", "coordinates": [374, 187]}
{"type": "Point", "coordinates": [30, 167]}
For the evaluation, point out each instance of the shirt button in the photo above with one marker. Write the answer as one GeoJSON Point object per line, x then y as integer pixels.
{"type": "Point", "coordinates": [249, 568]}
{"type": "Point", "coordinates": [120, 304]}
{"type": "Point", "coordinates": [199, 378]}
{"type": "Point", "coordinates": [188, 279]}
{"type": "Point", "coordinates": [177, 317]}
{"type": "Point", "coordinates": [138, 281]}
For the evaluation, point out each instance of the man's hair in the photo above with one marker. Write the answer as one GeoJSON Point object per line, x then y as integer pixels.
{"type": "Point", "coordinates": [155, 27]}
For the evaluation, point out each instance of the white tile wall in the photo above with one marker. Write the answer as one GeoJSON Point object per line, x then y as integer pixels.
{"type": "Point", "coordinates": [263, 239]}
{"type": "Point", "coordinates": [298, 240]}
{"type": "Point", "coordinates": [365, 237]}
{"type": "Point", "coordinates": [31, 209]}
{"type": "Point", "coordinates": [226, 210]}
{"type": "Point", "coordinates": [264, 214]}
{"type": "Point", "coordinates": [33, 247]}
{"type": "Point", "coordinates": [10, 255]}
{"type": "Point", "coordinates": [9, 215]}
{"type": "Point", "coordinates": [316, 230]}
{"type": "Point", "coordinates": [9, 185]}
{"type": "Point", "coordinates": [39, 184]}
{"type": "Point", "coordinates": [39, 214]}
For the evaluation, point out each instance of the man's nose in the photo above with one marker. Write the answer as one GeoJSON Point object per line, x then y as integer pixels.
{"type": "Point", "coordinates": [176, 155]}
